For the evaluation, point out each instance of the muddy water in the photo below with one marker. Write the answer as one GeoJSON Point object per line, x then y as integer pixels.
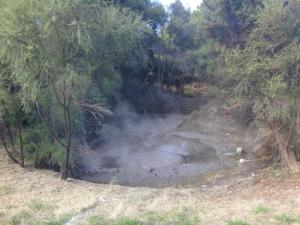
{"type": "Point", "coordinates": [150, 151]}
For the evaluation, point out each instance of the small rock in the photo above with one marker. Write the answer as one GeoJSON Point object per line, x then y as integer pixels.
{"type": "Point", "coordinates": [101, 199]}
{"type": "Point", "coordinates": [151, 169]}
{"type": "Point", "coordinates": [253, 174]}
{"type": "Point", "coordinates": [239, 150]}
{"type": "Point", "coordinates": [229, 154]}
{"type": "Point", "coordinates": [243, 161]}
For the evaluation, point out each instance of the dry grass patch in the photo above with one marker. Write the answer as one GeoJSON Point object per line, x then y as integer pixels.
{"type": "Point", "coordinates": [5, 190]}
{"type": "Point", "coordinates": [150, 219]}
{"type": "Point", "coordinates": [40, 197]}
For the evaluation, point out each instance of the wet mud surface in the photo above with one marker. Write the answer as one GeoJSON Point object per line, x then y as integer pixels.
{"type": "Point", "coordinates": [151, 151]}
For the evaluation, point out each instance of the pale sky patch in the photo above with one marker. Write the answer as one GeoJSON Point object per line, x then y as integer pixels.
{"type": "Point", "coordinates": [192, 4]}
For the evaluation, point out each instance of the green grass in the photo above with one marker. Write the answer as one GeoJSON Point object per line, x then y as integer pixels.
{"type": "Point", "coordinates": [285, 219]}
{"type": "Point", "coordinates": [183, 219]}
{"type": "Point", "coordinates": [96, 220]}
{"type": "Point", "coordinates": [2, 214]}
{"type": "Point", "coordinates": [37, 205]}
{"type": "Point", "coordinates": [38, 214]}
{"type": "Point", "coordinates": [237, 222]}
{"type": "Point", "coordinates": [127, 222]}
{"type": "Point", "coordinates": [260, 209]}
{"type": "Point", "coordinates": [124, 221]}
{"type": "Point", "coordinates": [5, 190]}
{"type": "Point", "coordinates": [178, 219]}
{"type": "Point", "coordinates": [20, 218]}
{"type": "Point", "coordinates": [60, 221]}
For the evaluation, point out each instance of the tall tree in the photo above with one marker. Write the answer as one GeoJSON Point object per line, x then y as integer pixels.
{"type": "Point", "coordinates": [229, 21]}
{"type": "Point", "coordinates": [152, 11]}
{"type": "Point", "coordinates": [58, 52]}
{"type": "Point", "coordinates": [267, 71]}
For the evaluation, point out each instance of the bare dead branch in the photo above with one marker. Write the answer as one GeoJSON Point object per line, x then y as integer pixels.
{"type": "Point", "coordinates": [96, 110]}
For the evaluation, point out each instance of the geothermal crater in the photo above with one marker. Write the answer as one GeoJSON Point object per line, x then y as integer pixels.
{"type": "Point", "coordinates": [151, 151]}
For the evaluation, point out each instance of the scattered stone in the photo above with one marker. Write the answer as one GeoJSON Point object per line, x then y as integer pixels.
{"type": "Point", "coordinates": [243, 161]}
{"type": "Point", "coordinates": [239, 150]}
{"type": "Point", "coordinates": [151, 169]}
{"type": "Point", "coordinates": [229, 154]}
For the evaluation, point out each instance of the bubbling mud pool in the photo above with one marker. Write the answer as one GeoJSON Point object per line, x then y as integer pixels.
{"type": "Point", "coordinates": [150, 151]}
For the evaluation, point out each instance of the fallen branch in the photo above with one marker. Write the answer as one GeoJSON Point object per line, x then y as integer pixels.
{"type": "Point", "coordinates": [96, 110]}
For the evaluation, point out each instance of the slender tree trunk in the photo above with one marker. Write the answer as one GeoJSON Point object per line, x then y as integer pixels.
{"type": "Point", "coordinates": [21, 145]}
{"type": "Point", "coordinates": [296, 126]}
{"type": "Point", "coordinates": [7, 149]}
{"type": "Point", "coordinates": [10, 136]}
{"type": "Point", "coordinates": [65, 104]}
{"type": "Point", "coordinates": [67, 120]}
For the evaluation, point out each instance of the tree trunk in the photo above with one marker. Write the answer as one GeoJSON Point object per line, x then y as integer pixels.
{"type": "Point", "coordinates": [67, 119]}
{"type": "Point", "coordinates": [7, 149]}
{"type": "Point", "coordinates": [65, 170]}
{"type": "Point", "coordinates": [21, 145]}
{"type": "Point", "coordinates": [12, 143]}
{"type": "Point", "coordinates": [287, 154]}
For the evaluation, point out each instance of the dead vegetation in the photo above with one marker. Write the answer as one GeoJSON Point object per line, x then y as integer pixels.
{"type": "Point", "coordinates": [40, 196]}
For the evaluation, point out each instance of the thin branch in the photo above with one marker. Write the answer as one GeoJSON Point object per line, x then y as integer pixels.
{"type": "Point", "coordinates": [10, 136]}
{"type": "Point", "coordinates": [47, 125]}
{"type": "Point", "coordinates": [7, 150]}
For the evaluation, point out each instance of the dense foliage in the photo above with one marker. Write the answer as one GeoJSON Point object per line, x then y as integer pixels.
{"type": "Point", "coordinates": [251, 50]}
{"type": "Point", "coordinates": [60, 62]}
{"type": "Point", "coordinates": [267, 72]}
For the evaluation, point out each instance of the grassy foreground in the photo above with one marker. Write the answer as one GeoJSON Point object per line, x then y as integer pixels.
{"type": "Point", "coordinates": [37, 197]}
{"type": "Point", "coordinates": [40, 214]}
